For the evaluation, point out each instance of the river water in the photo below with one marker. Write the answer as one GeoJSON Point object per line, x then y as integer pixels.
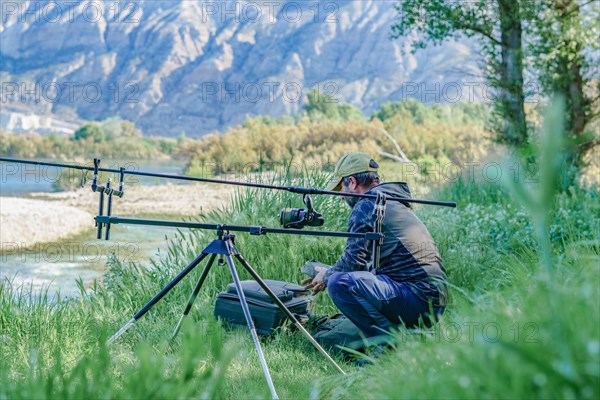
{"type": "Point", "coordinates": [55, 267]}
{"type": "Point", "coordinates": [18, 180]}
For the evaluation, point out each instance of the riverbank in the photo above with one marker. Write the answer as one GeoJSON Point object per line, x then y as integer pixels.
{"type": "Point", "coordinates": [168, 199]}
{"type": "Point", "coordinates": [26, 222]}
{"type": "Point", "coordinates": [50, 217]}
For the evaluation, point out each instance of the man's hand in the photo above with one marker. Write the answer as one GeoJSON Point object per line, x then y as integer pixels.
{"type": "Point", "coordinates": [316, 284]}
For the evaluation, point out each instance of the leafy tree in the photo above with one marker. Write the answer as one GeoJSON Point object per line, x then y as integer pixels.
{"type": "Point", "coordinates": [348, 111]}
{"type": "Point", "coordinates": [90, 130]}
{"type": "Point", "coordinates": [497, 24]}
{"type": "Point", "coordinates": [117, 127]}
{"type": "Point", "coordinates": [414, 108]}
{"type": "Point", "coordinates": [324, 106]}
{"type": "Point", "coordinates": [112, 127]}
{"type": "Point", "coordinates": [128, 129]}
{"type": "Point", "coordinates": [562, 33]}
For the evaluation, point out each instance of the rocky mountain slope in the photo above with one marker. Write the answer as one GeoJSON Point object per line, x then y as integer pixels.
{"type": "Point", "coordinates": [193, 67]}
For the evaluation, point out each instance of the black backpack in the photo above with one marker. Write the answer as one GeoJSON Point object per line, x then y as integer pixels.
{"type": "Point", "coordinates": [265, 313]}
{"type": "Point", "coordinates": [335, 331]}
{"type": "Point", "coordinates": [339, 335]}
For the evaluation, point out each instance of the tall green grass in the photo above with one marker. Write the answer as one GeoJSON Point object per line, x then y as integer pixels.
{"type": "Point", "coordinates": [51, 349]}
{"type": "Point", "coordinates": [49, 345]}
{"type": "Point", "coordinates": [527, 325]}
{"type": "Point", "coordinates": [522, 321]}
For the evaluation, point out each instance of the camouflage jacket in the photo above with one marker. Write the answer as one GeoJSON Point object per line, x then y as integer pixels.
{"type": "Point", "coordinates": [408, 254]}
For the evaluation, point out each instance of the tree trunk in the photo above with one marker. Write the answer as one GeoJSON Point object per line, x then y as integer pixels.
{"type": "Point", "coordinates": [577, 118]}
{"type": "Point", "coordinates": [571, 82]}
{"type": "Point", "coordinates": [576, 100]}
{"type": "Point", "coordinates": [511, 97]}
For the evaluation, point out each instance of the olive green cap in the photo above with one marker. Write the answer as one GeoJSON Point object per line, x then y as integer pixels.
{"type": "Point", "coordinates": [350, 164]}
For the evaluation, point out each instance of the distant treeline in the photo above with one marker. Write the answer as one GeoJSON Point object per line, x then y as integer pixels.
{"type": "Point", "coordinates": [326, 130]}
{"type": "Point", "coordinates": [320, 134]}
{"type": "Point", "coordinates": [114, 138]}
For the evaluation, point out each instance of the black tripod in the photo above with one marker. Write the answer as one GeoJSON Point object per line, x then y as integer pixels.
{"type": "Point", "coordinates": [224, 245]}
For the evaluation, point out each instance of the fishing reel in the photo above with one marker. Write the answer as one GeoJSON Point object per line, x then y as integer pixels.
{"type": "Point", "coordinates": [298, 218]}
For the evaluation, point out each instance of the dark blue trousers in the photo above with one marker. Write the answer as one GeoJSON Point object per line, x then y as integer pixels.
{"type": "Point", "coordinates": [376, 303]}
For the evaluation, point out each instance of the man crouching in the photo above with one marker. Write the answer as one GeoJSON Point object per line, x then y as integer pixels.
{"type": "Point", "coordinates": [409, 284]}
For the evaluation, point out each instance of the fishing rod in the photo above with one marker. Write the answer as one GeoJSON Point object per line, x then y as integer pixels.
{"type": "Point", "coordinates": [291, 189]}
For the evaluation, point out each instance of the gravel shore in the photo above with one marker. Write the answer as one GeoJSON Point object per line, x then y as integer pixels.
{"type": "Point", "coordinates": [25, 222]}
{"type": "Point", "coordinates": [47, 217]}
{"type": "Point", "coordinates": [168, 199]}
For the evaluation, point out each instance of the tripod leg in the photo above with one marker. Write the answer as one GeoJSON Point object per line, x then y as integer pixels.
{"type": "Point", "coordinates": [156, 298]}
{"type": "Point", "coordinates": [194, 294]}
{"type": "Point", "coordinates": [246, 310]}
{"type": "Point", "coordinates": [287, 312]}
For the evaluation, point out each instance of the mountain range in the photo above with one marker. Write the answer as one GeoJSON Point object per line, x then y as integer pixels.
{"type": "Point", "coordinates": [194, 67]}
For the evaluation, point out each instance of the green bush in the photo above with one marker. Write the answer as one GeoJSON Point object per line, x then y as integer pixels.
{"type": "Point", "coordinates": [90, 131]}
{"type": "Point", "coordinates": [323, 107]}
